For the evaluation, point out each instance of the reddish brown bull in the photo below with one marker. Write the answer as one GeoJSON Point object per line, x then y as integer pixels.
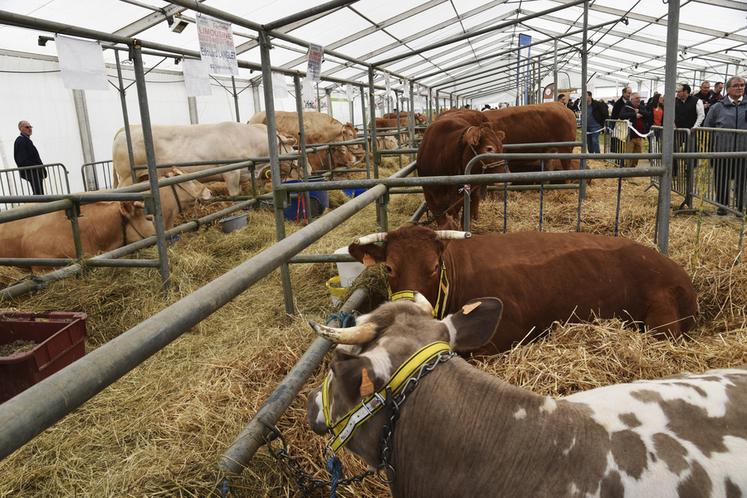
{"type": "Point", "coordinates": [447, 147]}
{"type": "Point", "coordinates": [551, 122]}
{"type": "Point", "coordinates": [540, 277]}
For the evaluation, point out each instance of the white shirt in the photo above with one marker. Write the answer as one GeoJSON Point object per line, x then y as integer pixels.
{"type": "Point", "coordinates": [701, 113]}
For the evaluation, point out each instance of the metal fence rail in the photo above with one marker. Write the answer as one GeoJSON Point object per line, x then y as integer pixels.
{"type": "Point", "coordinates": [18, 181]}
{"type": "Point", "coordinates": [97, 175]}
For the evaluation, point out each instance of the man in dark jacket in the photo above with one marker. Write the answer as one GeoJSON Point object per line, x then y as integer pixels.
{"type": "Point", "coordinates": [25, 154]}
{"type": "Point", "coordinates": [640, 120]}
{"type": "Point", "coordinates": [618, 142]}
{"type": "Point", "coordinates": [598, 114]}
{"type": "Point", "coordinates": [730, 113]}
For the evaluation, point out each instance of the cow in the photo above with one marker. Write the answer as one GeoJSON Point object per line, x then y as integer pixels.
{"type": "Point", "coordinates": [447, 147]}
{"type": "Point", "coordinates": [535, 123]}
{"type": "Point", "coordinates": [180, 196]}
{"type": "Point", "coordinates": [104, 226]}
{"type": "Point", "coordinates": [420, 118]}
{"type": "Point", "coordinates": [319, 128]}
{"type": "Point", "coordinates": [541, 277]}
{"type": "Point", "coordinates": [175, 144]}
{"type": "Point", "coordinates": [463, 432]}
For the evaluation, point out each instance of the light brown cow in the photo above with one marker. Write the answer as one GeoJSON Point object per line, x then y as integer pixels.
{"type": "Point", "coordinates": [104, 226]}
{"type": "Point", "coordinates": [536, 123]}
{"type": "Point", "coordinates": [463, 432]}
{"type": "Point", "coordinates": [420, 118]}
{"type": "Point", "coordinates": [319, 128]}
{"type": "Point", "coordinates": [192, 143]}
{"type": "Point", "coordinates": [541, 277]}
{"type": "Point", "coordinates": [176, 198]}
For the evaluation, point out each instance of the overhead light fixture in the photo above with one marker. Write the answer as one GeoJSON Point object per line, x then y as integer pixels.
{"type": "Point", "coordinates": [625, 21]}
{"type": "Point", "coordinates": [177, 26]}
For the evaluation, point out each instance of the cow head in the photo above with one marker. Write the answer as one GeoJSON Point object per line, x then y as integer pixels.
{"type": "Point", "coordinates": [378, 345]}
{"type": "Point", "coordinates": [190, 191]}
{"type": "Point", "coordinates": [136, 224]}
{"type": "Point", "coordinates": [411, 256]}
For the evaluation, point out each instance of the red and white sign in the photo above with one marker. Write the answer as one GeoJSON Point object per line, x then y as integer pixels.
{"type": "Point", "coordinates": [217, 49]}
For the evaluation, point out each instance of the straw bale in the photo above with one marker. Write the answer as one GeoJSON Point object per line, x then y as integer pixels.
{"type": "Point", "coordinates": [160, 430]}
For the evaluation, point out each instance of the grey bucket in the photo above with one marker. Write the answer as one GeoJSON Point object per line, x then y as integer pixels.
{"type": "Point", "coordinates": [233, 223]}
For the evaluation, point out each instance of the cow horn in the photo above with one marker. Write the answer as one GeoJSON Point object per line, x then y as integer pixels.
{"type": "Point", "coordinates": [370, 238]}
{"type": "Point", "coordinates": [452, 234]}
{"type": "Point", "coordinates": [360, 334]}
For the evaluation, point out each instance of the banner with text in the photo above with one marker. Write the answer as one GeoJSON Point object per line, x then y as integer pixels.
{"type": "Point", "coordinates": [314, 67]}
{"type": "Point", "coordinates": [216, 45]}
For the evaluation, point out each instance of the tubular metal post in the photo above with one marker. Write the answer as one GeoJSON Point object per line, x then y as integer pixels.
{"type": "Point", "coordinates": [72, 215]}
{"type": "Point", "coordinates": [584, 109]}
{"type": "Point", "coordinates": [277, 196]}
{"type": "Point", "coordinates": [411, 121]}
{"type": "Point", "coordinates": [142, 96]}
{"type": "Point", "coordinates": [667, 160]}
{"type": "Point", "coordinates": [430, 105]}
{"type": "Point", "coordinates": [372, 112]}
{"type": "Point", "coordinates": [126, 119]}
{"type": "Point", "coordinates": [364, 120]}
{"type": "Point", "coordinates": [302, 140]}
{"type": "Point", "coordinates": [235, 99]}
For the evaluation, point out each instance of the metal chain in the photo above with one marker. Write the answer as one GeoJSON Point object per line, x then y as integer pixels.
{"type": "Point", "coordinates": [306, 482]}
{"type": "Point", "coordinates": [395, 403]}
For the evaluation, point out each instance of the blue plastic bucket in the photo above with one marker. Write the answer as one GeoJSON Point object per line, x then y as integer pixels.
{"type": "Point", "coordinates": [319, 200]}
{"type": "Point", "coordinates": [353, 192]}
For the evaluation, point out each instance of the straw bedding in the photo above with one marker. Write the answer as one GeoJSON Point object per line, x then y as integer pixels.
{"type": "Point", "coordinates": [160, 430]}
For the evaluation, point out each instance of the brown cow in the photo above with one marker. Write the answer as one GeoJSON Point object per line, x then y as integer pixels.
{"type": "Point", "coordinates": [540, 277]}
{"type": "Point", "coordinates": [551, 122]}
{"type": "Point", "coordinates": [464, 432]}
{"type": "Point", "coordinates": [104, 226]}
{"type": "Point", "coordinates": [470, 115]}
{"type": "Point", "coordinates": [420, 118]}
{"type": "Point", "coordinates": [447, 147]}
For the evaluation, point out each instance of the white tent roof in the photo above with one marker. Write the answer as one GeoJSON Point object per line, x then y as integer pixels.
{"type": "Point", "coordinates": [712, 34]}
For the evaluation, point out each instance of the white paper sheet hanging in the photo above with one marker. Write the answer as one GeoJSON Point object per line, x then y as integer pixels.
{"type": "Point", "coordinates": [196, 78]}
{"type": "Point", "coordinates": [216, 45]}
{"type": "Point", "coordinates": [81, 63]}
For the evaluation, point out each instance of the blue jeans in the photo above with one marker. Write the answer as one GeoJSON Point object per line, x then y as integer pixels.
{"type": "Point", "coordinates": [592, 141]}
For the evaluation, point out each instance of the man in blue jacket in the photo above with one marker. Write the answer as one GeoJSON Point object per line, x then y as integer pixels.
{"type": "Point", "coordinates": [25, 154]}
{"type": "Point", "coordinates": [729, 113]}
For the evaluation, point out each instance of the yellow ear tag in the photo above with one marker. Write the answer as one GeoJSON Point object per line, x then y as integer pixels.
{"type": "Point", "coordinates": [367, 387]}
{"type": "Point", "coordinates": [368, 260]}
{"type": "Point", "coordinates": [468, 308]}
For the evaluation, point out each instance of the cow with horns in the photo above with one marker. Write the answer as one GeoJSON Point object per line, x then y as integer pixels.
{"type": "Point", "coordinates": [458, 431]}
{"type": "Point", "coordinates": [447, 147]}
{"type": "Point", "coordinates": [541, 278]}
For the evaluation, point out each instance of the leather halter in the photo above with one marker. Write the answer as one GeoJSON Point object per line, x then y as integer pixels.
{"type": "Point", "coordinates": [127, 221]}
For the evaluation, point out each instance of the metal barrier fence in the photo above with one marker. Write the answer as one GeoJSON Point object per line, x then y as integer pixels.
{"type": "Point", "coordinates": [32, 180]}
{"type": "Point", "coordinates": [698, 171]}
{"type": "Point", "coordinates": [97, 175]}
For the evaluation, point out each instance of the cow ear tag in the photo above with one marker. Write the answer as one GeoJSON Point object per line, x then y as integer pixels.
{"type": "Point", "coordinates": [367, 387]}
{"type": "Point", "coordinates": [469, 308]}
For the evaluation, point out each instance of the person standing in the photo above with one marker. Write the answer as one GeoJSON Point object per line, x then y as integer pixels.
{"type": "Point", "coordinates": [730, 113]}
{"type": "Point", "coordinates": [621, 102]}
{"type": "Point", "coordinates": [717, 95]}
{"type": "Point", "coordinates": [705, 95]}
{"type": "Point", "coordinates": [595, 122]}
{"type": "Point", "coordinates": [688, 113]}
{"type": "Point", "coordinates": [618, 135]}
{"type": "Point", "coordinates": [25, 154]}
{"type": "Point", "coordinates": [640, 120]}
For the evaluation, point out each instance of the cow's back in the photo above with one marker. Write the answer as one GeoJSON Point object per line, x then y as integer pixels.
{"type": "Point", "coordinates": [543, 277]}
{"type": "Point", "coordinates": [551, 122]}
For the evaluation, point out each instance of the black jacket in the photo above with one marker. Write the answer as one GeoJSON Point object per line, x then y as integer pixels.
{"type": "Point", "coordinates": [599, 111]}
{"type": "Point", "coordinates": [629, 112]}
{"type": "Point", "coordinates": [25, 154]}
{"type": "Point", "coordinates": [621, 102]}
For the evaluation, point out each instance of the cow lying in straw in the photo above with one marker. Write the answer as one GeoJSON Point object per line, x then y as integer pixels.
{"type": "Point", "coordinates": [541, 278]}
{"type": "Point", "coordinates": [463, 432]}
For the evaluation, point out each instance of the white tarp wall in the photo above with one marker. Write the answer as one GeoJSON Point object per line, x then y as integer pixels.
{"type": "Point", "coordinates": [32, 90]}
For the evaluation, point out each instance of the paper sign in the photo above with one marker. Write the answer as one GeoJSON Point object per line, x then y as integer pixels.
{"type": "Point", "coordinates": [216, 45]}
{"type": "Point", "coordinates": [196, 78]}
{"type": "Point", "coordinates": [314, 69]}
{"type": "Point", "coordinates": [349, 92]}
{"type": "Point", "coordinates": [81, 63]}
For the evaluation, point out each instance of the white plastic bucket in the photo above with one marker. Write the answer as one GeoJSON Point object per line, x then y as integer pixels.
{"type": "Point", "coordinates": [348, 271]}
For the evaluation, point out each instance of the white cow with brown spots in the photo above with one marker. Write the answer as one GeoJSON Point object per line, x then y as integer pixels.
{"type": "Point", "coordinates": [463, 432]}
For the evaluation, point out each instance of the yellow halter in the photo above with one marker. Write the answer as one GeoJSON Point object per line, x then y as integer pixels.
{"type": "Point", "coordinates": [439, 310]}
{"type": "Point", "coordinates": [345, 427]}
